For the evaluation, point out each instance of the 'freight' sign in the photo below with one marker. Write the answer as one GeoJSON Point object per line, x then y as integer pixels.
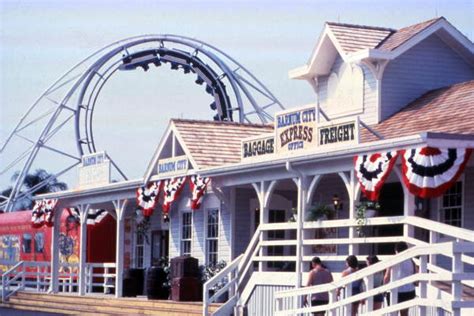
{"type": "Point", "coordinates": [338, 132]}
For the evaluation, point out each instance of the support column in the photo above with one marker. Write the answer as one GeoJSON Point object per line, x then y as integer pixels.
{"type": "Point", "coordinates": [120, 206]}
{"type": "Point", "coordinates": [353, 248]}
{"type": "Point", "coordinates": [54, 285]}
{"type": "Point", "coordinates": [83, 210]}
{"type": "Point", "coordinates": [302, 184]}
{"type": "Point", "coordinates": [408, 210]}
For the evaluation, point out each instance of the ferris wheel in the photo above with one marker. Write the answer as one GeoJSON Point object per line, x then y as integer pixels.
{"type": "Point", "coordinates": [69, 102]}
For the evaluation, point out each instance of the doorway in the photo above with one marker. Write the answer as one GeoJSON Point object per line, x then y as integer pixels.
{"type": "Point", "coordinates": [391, 204]}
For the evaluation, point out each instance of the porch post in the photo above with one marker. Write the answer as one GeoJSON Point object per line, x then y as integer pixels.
{"type": "Point", "coordinates": [119, 206]}
{"type": "Point", "coordinates": [54, 285]}
{"type": "Point", "coordinates": [353, 248]}
{"type": "Point", "coordinates": [302, 184]}
{"type": "Point", "coordinates": [83, 210]}
{"type": "Point", "coordinates": [408, 210]}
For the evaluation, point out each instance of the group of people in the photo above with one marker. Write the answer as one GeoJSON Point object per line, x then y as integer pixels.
{"type": "Point", "coordinates": [320, 274]}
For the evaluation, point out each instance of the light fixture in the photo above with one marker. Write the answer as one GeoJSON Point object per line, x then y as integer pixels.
{"type": "Point", "coordinates": [336, 201]}
{"type": "Point", "coordinates": [166, 218]}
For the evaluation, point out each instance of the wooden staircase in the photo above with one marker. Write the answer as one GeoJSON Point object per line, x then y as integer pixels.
{"type": "Point", "coordinates": [101, 305]}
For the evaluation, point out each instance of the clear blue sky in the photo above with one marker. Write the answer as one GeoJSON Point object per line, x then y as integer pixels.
{"type": "Point", "coordinates": [40, 40]}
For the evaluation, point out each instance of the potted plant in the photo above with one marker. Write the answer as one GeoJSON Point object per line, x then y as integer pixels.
{"type": "Point", "coordinates": [209, 271]}
{"type": "Point", "coordinates": [319, 212]}
{"type": "Point", "coordinates": [364, 210]}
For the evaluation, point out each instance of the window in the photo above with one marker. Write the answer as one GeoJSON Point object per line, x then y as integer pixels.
{"type": "Point", "coordinates": [451, 206]}
{"type": "Point", "coordinates": [212, 236]}
{"type": "Point", "coordinates": [186, 229]}
{"type": "Point", "coordinates": [26, 246]}
{"type": "Point", "coordinates": [139, 250]}
{"type": "Point", "coordinates": [39, 243]}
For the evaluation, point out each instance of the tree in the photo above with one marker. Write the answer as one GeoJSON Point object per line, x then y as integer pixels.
{"type": "Point", "coordinates": [49, 184]}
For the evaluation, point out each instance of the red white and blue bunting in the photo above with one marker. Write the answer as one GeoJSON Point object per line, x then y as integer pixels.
{"type": "Point", "coordinates": [147, 197]}
{"type": "Point", "coordinates": [171, 189]}
{"type": "Point", "coordinates": [372, 171]}
{"type": "Point", "coordinates": [428, 172]}
{"type": "Point", "coordinates": [43, 213]}
{"type": "Point", "coordinates": [198, 186]}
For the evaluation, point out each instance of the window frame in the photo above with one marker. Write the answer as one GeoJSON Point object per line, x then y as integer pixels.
{"type": "Point", "coordinates": [181, 228]}
{"type": "Point", "coordinates": [441, 208]}
{"type": "Point", "coordinates": [206, 234]}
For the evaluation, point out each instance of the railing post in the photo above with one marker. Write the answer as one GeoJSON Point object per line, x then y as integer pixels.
{"type": "Point", "coordinates": [394, 291]}
{"type": "Point", "coordinates": [423, 284]}
{"type": "Point", "coordinates": [205, 296]}
{"type": "Point", "coordinates": [456, 291]}
{"type": "Point", "coordinates": [332, 299]}
{"type": "Point", "coordinates": [370, 286]}
{"type": "Point", "coordinates": [4, 288]}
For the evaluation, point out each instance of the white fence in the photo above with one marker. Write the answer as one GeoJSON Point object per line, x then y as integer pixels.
{"type": "Point", "coordinates": [259, 252]}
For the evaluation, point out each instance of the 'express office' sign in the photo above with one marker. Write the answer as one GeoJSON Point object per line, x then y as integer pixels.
{"type": "Point", "coordinates": [295, 129]}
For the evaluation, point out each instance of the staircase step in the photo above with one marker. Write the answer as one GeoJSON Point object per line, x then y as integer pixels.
{"type": "Point", "coordinates": [104, 305]}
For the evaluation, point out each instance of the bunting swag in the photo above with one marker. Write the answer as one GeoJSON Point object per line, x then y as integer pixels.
{"type": "Point", "coordinates": [94, 216]}
{"type": "Point", "coordinates": [372, 171]}
{"type": "Point", "coordinates": [43, 213]}
{"type": "Point", "coordinates": [172, 189]}
{"type": "Point", "coordinates": [198, 188]}
{"type": "Point", "coordinates": [428, 172]}
{"type": "Point", "coordinates": [37, 219]}
{"type": "Point", "coordinates": [147, 197]}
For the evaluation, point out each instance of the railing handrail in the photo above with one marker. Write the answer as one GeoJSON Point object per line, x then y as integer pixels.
{"type": "Point", "coordinates": [428, 249]}
{"type": "Point", "coordinates": [227, 269]}
{"type": "Point", "coordinates": [440, 228]}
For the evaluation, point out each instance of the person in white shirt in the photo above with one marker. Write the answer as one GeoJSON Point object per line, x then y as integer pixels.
{"type": "Point", "coordinates": [405, 268]}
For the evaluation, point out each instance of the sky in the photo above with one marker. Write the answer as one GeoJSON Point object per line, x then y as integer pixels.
{"type": "Point", "coordinates": [41, 40]}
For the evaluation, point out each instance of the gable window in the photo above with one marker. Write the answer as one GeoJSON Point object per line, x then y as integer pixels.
{"type": "Point", "coordinates": [451, 205]}
{"type": "Point", "coordinates": [186, 233]}
{"type": "Point", "coordinates": [212, 236]}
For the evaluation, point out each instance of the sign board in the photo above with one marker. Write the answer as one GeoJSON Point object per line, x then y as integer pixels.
{"type": "Point", "coordinates": [258, 146]}
{"type": "Point", "coordinates": [94, 170]}
{"type": "Point", "coordinates": [173, 166]}
{"type": "Point", "coordinates": [295, 129]}
{"type": "Point", "coordinates": [338, 132]}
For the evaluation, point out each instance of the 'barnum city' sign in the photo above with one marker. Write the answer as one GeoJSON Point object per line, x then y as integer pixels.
{"type": "Point", "coordinates": [94, 170]}
{"type": "Point", "coordinates": [173, 165]}
{"type": "Point", "coordinates": [295, 129]}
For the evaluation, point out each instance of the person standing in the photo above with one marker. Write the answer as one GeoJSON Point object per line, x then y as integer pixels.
{"type": "Point", "coordinates": [352, 265]}
{"type": "Point", "coordinates": [378, 281]}
{"type": "Point", "coordinates": [405, 269]}
{"type": "Point", "coordinates": [318, 275]}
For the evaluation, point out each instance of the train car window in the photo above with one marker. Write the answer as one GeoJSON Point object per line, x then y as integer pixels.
{"type": "Point", "coordinates": [26, 243]}
{"type": "Point", "coordinates": [39, 243]}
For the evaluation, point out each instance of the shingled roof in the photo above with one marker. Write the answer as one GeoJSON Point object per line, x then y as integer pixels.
{"type": "Point", "coordinates": [212, 143]}
{"type": "Point", "coordinates": [353, 38]}
{"type": "Point", "coordinates": [444, 110]}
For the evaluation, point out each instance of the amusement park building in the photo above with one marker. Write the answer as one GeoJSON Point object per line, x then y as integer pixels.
{"type": "Point", "coordinates": [378, 90]}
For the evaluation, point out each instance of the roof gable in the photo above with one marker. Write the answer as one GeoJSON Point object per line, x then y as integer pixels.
{"type": "Point", "coordinates": [359, 42]}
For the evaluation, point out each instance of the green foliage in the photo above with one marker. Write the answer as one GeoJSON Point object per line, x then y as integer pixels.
{"type": "Point", "coordinates": [143, 227]}
{"type": "Point", "coordinates": [210, 270]}
{"type": "Point", "coordinates": [361, 215]}
{"type": "Point", "coordinates": [320, 211]}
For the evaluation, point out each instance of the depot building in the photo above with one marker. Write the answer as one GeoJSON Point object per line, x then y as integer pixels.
{"type": "Point", "coordinates": [393, 122]}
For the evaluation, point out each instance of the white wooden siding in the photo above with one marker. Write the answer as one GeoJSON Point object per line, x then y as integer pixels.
{"type": "Point", "coordinates": [368, 113]}
{"type": "Point", "coordinates": [431, 64]}
{"type": "Point", "coordinates": [262, 302]}
{"type": "Point", "coordinates": [242, 227]}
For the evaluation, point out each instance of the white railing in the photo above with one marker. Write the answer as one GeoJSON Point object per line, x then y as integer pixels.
{"type": "Point", "coordinates": [343, 305]}
{"type": "Point", "coordinates": [257, 251]}
{"type": "Point", "coordinates": [223, 282]}
{"type": "Point", "coordinates": [24, 275]}
{"type": "Point", "coordinates": [37, 276]}
{"type": "Point", "coordinates": [100, 275]}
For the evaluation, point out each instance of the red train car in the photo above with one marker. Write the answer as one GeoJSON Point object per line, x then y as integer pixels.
{"type": "Point", "coordinates": [19, 241]}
